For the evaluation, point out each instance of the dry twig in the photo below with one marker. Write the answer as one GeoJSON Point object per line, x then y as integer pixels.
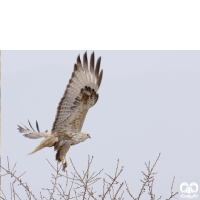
{"type": "Point", "coordinates": [148, 181]}
{"type": "Point", "coordinates": [81, 185]}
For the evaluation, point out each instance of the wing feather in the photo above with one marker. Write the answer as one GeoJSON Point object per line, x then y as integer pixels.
{"type": "Point", "coordinates": [85, 66]}
{"type": "Point", "coordinates": [37, 126]}
{"type": "Point", "coordinates": [97, 67]}
{"type": "Point", "coordinates": [85, 62]}
{"type": "Point", "coordinates": [82, 74]}
{"type": "Point", "coordinates": [92, 63]}
{"type": "Point", "coordinates": [100, 78]}
{"type": "Point", "coordinates": [80, 78]}
{"type": "Point", "coordinates": [32, 134]}
{"type": "Point", "coordinates": [92, 70]}
{"type": "Point", "coordinates": [80, 95]}
{"type": "Point", "coordinates": [31, 125]}
{"type": "Point", "coordinates": [79, 64]}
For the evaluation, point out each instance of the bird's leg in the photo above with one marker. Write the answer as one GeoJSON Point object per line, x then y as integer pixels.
{"type": "Point", "coordinates": [64, 164]}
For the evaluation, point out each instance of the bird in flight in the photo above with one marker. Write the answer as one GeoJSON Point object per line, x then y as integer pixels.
{"type": "Point", "coordinates": [80, 95]}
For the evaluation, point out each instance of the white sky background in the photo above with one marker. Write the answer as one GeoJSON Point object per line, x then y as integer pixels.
{"type": "Point", "coordinates": [149, 103]}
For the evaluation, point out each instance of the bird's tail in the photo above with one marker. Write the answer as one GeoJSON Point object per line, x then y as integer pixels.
{"type": "Point", "coordinates": [47, 142]}
{"type": "Point", "coordinates": [32, 134]}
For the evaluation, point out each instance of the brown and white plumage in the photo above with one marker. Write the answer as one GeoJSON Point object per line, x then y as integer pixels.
{"type": "Point", "coordinates": [80, 95]}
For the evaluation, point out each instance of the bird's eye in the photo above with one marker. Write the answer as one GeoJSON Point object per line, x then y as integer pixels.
{"type": "Point", "coordinates": [88, 135]}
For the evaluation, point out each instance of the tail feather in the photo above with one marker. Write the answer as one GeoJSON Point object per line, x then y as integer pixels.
{"type": "Point", "coordinates": [47, 142]}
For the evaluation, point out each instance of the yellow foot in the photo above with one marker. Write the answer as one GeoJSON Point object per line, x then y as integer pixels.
{"type": "Point", "coordinates": [64, 165]}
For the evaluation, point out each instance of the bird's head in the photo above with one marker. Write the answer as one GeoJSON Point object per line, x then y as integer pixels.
{"type": "Point", "coordinates": [85, 136]}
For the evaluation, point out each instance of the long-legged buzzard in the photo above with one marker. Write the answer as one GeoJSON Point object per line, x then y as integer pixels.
{"type": "Point", "coordinates": [80, 95]}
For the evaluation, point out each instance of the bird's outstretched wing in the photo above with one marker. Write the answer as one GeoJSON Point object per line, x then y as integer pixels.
{"type": "Point", "coordinates": [79, 96]}
{"type": "Point", "coordinates": [32, 134]}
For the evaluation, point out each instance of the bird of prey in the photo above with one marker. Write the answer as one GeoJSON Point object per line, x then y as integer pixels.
{"type": "Point", "coordinates": [80, 95]}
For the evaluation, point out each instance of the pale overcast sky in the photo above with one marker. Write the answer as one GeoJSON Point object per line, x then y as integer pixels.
{"type": "Point", "coordinates": [148, 103]}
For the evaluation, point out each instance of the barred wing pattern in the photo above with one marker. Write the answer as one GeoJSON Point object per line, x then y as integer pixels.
{"type": "Point", "coordinates": [80, 95]}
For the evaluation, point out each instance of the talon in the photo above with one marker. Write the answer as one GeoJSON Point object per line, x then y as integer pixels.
{"type": "Point", "coordinates": [64, 165]}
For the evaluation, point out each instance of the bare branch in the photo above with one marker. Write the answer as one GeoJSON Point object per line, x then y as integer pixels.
{"type": "Point", "coordinates": [17, 178]}
{"type": "Point", "coordinates": [172, 194]}
{"type": "Point", "coordinates": [81, 185]}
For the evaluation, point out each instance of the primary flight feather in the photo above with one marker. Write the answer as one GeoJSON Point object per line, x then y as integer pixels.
{"type": "Point", "coordinates": [80, 95]}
